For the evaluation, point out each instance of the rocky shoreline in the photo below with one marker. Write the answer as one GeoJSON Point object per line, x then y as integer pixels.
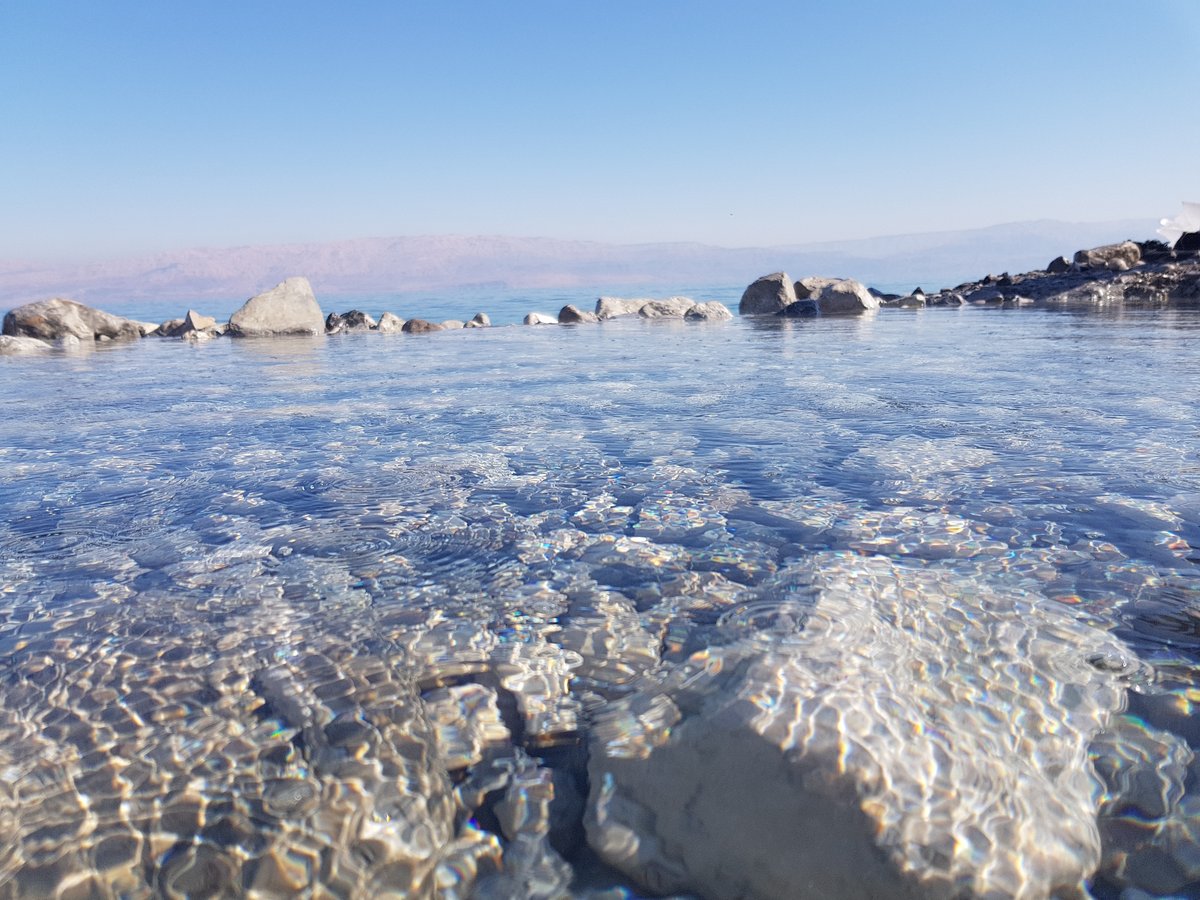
{"type": "Point", "coordinates": [1147, 273]}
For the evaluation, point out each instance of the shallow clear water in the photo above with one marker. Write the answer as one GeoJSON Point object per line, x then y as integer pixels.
{"type": "Point", "coordinates": [345, 612]}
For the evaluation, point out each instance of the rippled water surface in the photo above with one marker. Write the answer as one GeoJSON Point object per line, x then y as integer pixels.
{"type": "Point", "coordinates": [446, 615]}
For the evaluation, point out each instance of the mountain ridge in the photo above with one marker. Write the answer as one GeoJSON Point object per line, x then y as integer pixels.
{"type": "Point", "coordinates": [438, 262]}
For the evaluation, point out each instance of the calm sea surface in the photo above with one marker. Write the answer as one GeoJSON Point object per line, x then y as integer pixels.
{"type": "Point", "coordinates": [341, 615]}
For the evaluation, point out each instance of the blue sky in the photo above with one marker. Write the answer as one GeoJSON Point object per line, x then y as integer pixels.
{"type": "Point", "coordinates": [135, 127]}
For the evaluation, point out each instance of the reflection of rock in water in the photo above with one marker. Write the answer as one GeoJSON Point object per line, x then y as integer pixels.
{"type": "Point", "coordinates": [912, 732]}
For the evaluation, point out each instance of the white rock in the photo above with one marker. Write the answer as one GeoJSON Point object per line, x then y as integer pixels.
{"type": "Point", "coordinates": [768, 295]}
{"type": "Point", "coordinates": [845, 296]}
{"type": "Point", "coordinates": [613, 307]}
{"type": "Point", "coordinates": [288, 308]}
{"type": "Point", "coordinates": [14, 346]}
{"type": "Point", "coordinates": [671, 308]}
{"type": "Point", "coordinates": [390, 323]}
{"type": "Point", "coordinates": [536, 318]}
{"type": "Point", "coordinates": [712, 311]}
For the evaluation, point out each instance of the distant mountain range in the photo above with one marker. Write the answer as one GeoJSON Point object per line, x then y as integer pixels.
{"type": "Point", "coordinates": [388, 265]}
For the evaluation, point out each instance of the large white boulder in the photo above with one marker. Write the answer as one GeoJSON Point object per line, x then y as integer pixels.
{"type": "Point", "coordinates": [844, 296]}
{"type": "Point", "coordinates": [871, 729]}
{"type": "Point", "coordinates": [288, 308]}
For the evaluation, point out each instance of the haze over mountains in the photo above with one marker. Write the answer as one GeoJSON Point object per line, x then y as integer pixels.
{"type": "Point", "coordinates": [385, 265]}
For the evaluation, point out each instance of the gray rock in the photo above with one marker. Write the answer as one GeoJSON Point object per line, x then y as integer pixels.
{"type": "Point", "coordinates": [913, 301]}
{"type": "Point", "coordinates": [612, 307]}
{"type": "Point", "coordinates": [767, 295]}
{"type": "Point", "coordinates": [813, 749]}
{"type": "Point", "coordinates": [147, 328]}
{"type": "Point", "coordinates": [453, 324]}
{"type": "Point", "coordinates": [671, 308]}
{"type": "Point", "coordinates": [801, 309]}
{"type": "Point", "coordinates": [195, 321]}
{"type": "Point", "coordinates": [479, 320]}
{"type": "Point", "coordinates": [846, 296]}
{"type": "Point", "coordinates": [11, 345]}
{"type": "Point", "coordinates": [52, 319]}
{"type": "Point", "coordinates": [1058, 265]}
{"type": "Point", "coordinates": [807, 287]}
{"type": "Point", "coordinates": [334, 324]}
{"type": "Point", "coordinates": [573, 315]}
{"type": "Point", "coordinates": [421, 326]}
{"type": "Point", "coordinates": [288, 308]}
{"type": "Point", "coordinates": [169, 328]}
{"type": "Point", "coordinates": [712, 311]}
{"type": "Point", "coordinates": [357, 320]}
{"type": "Point", "coordinates": [1100, 257]}
{"type": "Point", "coordinates": [536, 318]}
{"type": "Point", "coordinates": [390, 323]}
{"type": "Point", "coordinates": [190, 323]}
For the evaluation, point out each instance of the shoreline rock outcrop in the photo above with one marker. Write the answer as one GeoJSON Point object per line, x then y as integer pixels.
{"type": "Point", "coordinates": [289, 308]}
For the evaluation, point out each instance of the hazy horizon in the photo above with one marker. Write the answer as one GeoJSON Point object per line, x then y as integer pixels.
{"type": "Point", "coordinates": [136, 129]}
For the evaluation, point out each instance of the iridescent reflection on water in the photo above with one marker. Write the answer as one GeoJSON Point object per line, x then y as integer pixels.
{"type": "Point", "coordinates": [348, 615]}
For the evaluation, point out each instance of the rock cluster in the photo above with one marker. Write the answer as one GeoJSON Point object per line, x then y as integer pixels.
{"type": "Point", "coordinates": [645, 307]}
{"type": "Point", "coordinates": [778, 295]}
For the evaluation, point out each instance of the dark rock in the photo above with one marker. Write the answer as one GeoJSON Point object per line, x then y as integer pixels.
{"type": "Point", "coordinates": [573, 315]}
{"type": "Point", "coordinates": [357, 320]}
{"type": "Point", "coordinates": [49, 320]}
{"type": "Point", "coordinates": [288, 308]}
{"type": "Point", "coordinates": [1058, 265]}
{"type": "Point", "coordinates": [799, 309]}
{"type": "Point", "coordinates": [1189, 242]}
{"type": "Point", "coordinates": [421, 326]}
{"type": "Point", "coordinates": [768, 295]}
{"type": "Point", "coordinates": [334, 324]}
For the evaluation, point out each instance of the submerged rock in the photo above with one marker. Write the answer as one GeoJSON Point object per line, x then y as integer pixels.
{"type": "Point", "coordinates": [712, 311]}
{"type": "Point", "coordinates": [453, 324]}
{"type": "Point", "coordinates": [845, 296]}
{"type": "Point", "coordinates": [288, 308]}
{"type": "Point", "coordinates": [868, 728]}
{"type": "Point", "coordinates": [479, 320]}
{"type": "Point", "coordinates": [800, 309]}
{"type": "Point", "coordinates": [421, 326]}
{"type": "Point", "coordinates": [573, 315]}
{"type": "Point", "coordinates": [1189, 242]}
{"type": "Point", "coordinates": [767, 295]}
{"type": "Point", "coordinates": [14, 346]}
{"type": "Point", "coordinates": [49, 320]}
{"type": "Point", "coordinates": [536, 318]}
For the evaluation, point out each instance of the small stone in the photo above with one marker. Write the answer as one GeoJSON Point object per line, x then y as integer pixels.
{"type": "Point", "coordinates": [1100, 257]}
{"type": "Point", "coordinates": [536, 318]}
{"type": "Point", "coordinates": [573, 315]}
{"type": "Point", "coordinates": [334, 324]}
{"type": "Point", "coordinates": [453, 324]}
{"type": "Point", "coordinates": [479, 320]}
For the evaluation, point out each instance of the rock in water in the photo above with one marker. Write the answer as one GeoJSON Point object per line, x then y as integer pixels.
{"type": "Point", "coordinates": [867, 728]}
{"type": "Point", "coordinates": [1058, 265]}
{"type": "Point", "coordinates": [49, 320]}
{"type": "Point", "coordinates": [573, 315]}
{"type": "Point", "coordinates": [288, 308]}
{"type": "Point", "coordinates": [613, 307]}
{"type": "Point", "coordinates": [671, 308]}
{"type": "Point", "coordinates": [479, 320]}
{"type": "Point", "coordinates": [846, 296]}
{"type": "Point", "coordinates": [1101, 257]}
{"type": "Point", "coordinates": [421, 326]}
{"type": "Point", "coordinates": [800, 309]}
{"type": "Point", "coordinates": [14, 346]}
{"type": "Point", "coordinates": [389, 323]}
{"type": "Point", "coordinates": [357, 320]}
{"type": "Point", "coordinates": [806, 287]}
{"type": "Point", "coordinates": [768, 295]}
{"type": "Point", "coordinates": [712, 311]}
{"type": "Point", "coordinates": [536, 318]}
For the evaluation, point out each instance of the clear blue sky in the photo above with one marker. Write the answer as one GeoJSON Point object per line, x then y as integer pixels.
{"type": "Point", "coordinates": [132, 127]}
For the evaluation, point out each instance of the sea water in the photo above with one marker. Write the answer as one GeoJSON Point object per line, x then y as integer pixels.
{"type": "Point", "coordinates": [350, 614]}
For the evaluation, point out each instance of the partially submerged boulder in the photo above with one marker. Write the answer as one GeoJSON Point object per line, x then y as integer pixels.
{"type": "Point", "coordinates": [806, 287]}
{"type": "Point", "coordinates": [49, 320]}
{"type": "Point", "coordinates": [712, 311]}
{"type": "Point", "coordinates": [573, 315]}
{"type": "Point", "coordinates": [390, 323]}
{"type": "Point", "coordinates": [612, 307]}
{"type": "Point", "coordinates": [844, 296]}
{"type": "Point", "coordinates": [767, 295]}
{"type": "Point", "coordinates": [421, 326]}
{"type": "Point", "coordinates": [537, 318]}
{"type": "Point", "coordinates": [11, 345]}
{"type": "Point", "coordinates": [288, 308]}
{"type": "Point", "coordinates": [479, 320]}
{"type": "Point", "coordinates": [671, 308]}
{"type": "Point", "coordinates": [1126, 252]}
{"type": "Point", "coordinates": [800, 309]}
